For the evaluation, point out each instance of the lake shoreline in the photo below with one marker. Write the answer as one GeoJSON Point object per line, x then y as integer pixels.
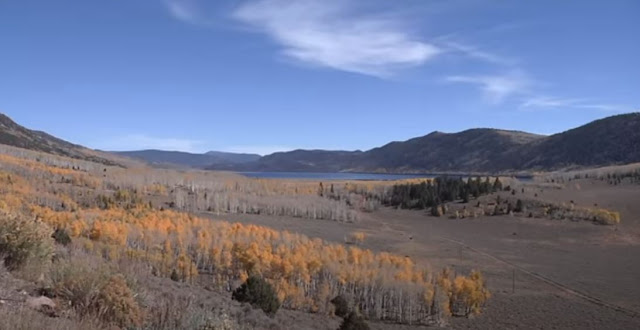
{"type": "Point", "coordinates": [353, 176]}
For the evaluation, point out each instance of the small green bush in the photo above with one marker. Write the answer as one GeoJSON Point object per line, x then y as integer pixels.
{"type": "Point", "coordinates": [353, 321]}
{"type": "Point", "coordinates": [174, 276]}
{"type": "Point", "coordinates": [61, 237]}
{"type": "Point", "coordinates": [341, 306]}
{"type": "Point", "coordinates": [259, 293]}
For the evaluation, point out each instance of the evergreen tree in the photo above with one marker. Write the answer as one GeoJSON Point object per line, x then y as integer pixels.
{"type": "Point", "coordinates": [61, 237]}
{"type": "Point", "coordinates": [519, 206]}
{"type": "Point", "coordinates": [353, 321]}
{"type": "Point", "coordinates": [497, 185]}
{"type": "Point", "coordinates": [341, 306]}
{"type": "Point", "coordinates": [259, 293]}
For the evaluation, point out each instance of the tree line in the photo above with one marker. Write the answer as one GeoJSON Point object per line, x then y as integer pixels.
{"type": "Point", "coordinates": [440, 190]}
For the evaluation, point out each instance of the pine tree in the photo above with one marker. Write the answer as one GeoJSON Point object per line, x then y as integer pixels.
{"type": "Point", "coordinates": [259, 293]}
{"type": "Point", "coordinates": [341, 306]}
{"type": "Point", "coordinates": [519, 207]}
{"type": "Point", "coordinates": [353, 321]}
{"type": "Point", "coordinates": [497, 185]}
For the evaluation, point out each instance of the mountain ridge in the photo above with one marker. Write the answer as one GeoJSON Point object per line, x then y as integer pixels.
{"type": "Point", "coordinates": [15, 135]}
{"type": "Point", "coordinates": [486, 150]}
{"type": "Point", "coordinates": [612, 140]}
{"type": "Point", "coordinates": [186, 159]}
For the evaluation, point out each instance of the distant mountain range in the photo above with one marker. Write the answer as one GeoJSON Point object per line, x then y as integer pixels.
{"type": "Point", "coordinates": [185, 159]}
{"type": "Point", "coordinates": [609, 141]}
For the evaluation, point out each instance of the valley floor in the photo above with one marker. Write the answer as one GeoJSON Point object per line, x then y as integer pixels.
{"type": "Point", "coordinates": [543, 274]}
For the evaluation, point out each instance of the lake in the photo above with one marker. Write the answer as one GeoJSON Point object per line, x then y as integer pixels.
{"type": "Point", "coordinates": [349, 176]}
{"type": "Point", "coordinates": [333, 176]}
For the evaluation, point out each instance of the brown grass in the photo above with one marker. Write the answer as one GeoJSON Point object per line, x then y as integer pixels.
{"type": "Point", "coordinates": [94, 289]}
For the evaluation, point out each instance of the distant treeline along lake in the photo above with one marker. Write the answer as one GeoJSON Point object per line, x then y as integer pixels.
{"type": "Point", "coordinates": [345, 176]}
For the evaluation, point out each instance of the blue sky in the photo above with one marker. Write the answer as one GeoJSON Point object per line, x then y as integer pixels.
{"type": "Point", "coordinates": [268, 75]}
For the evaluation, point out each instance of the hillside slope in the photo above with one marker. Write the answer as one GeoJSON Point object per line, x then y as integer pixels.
{"type": "Point", "coordinates": [301, 161]}
{"type": "Point", "coordinates": [185, 159]}
{"type": "Point", "coordinates": [609, 141]}
{"type": "Point", "coordinates": [470, 150]}
{"type": "Point", "coordinates": [15, 135]}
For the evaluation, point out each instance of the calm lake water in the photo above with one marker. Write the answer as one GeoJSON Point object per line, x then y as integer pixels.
{"type": "Point", "coordinates": [333, 176]}
{"type": "Point", "coordinates": [346, 176]}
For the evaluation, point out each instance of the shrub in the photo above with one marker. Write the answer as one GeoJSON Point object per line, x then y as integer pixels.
{"type": "Point", "coordinates": [341, 306]}
{"type": "Point", "coordinates": [259, 293]}
{"type": "Point", "coordinates": [353, 321]}
{"type": "Point", "coordinates": [92, 289]}
{"type": "Point", "coordinates": [61, 237]}
{"type": "Point", "coordinates": [436, 211]}
{"type": "Point", "coordinates": [23, 240]}
{"type": "Point", "coordinates": [179, 310]}
{"type": "Point", "coordinates": [116, 304]}
{"type": "Point", "coordinates": [174, 276]}
{"type": "Point", "coordinates": [357, 237]}
{"type": "Point", "coordinates": [77, 281]}
{"type": "Point", "coordinates": [606, 217]}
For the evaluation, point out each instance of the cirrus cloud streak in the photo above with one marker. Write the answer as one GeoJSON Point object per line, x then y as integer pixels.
{"type": "Point", "coordinates": [329, 34]}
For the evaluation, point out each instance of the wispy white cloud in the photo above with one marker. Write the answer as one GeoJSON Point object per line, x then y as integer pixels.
{"type": "Point", "coordinates": [479, 54]}
{"type": "Point", "coordinates": [548, 102]}
{"type": "Point", "coordinates": [185, 10]}
{"type": "Point", "coordinates": [141, 141]}
{"type": "Point", "coordinates": [328, 33]}
{"type": "Point", "coordinates": [198, 12]}
{"type": "Point", "coordinates": [337, 34]}
{"type": "Point", "coordinates": [451, 43]}
{"type": "Point", "coordinates": [538, 102]}
{"type": "Point", "coordinates": [496, 88]}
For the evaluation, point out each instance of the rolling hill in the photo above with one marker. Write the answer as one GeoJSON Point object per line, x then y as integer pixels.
{"type": "Point", "coordinates": [190, 160]}
{"type": "Point", "coordinates": [15, 135]}
{"type": "Point", "coordinates": [469, 151]}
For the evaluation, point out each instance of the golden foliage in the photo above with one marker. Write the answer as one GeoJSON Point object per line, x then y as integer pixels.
{"type": "Point", "coordinates": [357, 237]}
{"type": "Point", "coordinates": [306, 273]}
{"type": "Point", "coordinates": [606, 217]}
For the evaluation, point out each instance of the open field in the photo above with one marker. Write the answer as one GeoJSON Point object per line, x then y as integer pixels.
{"type": "Point", "coordinates": [567, 274]}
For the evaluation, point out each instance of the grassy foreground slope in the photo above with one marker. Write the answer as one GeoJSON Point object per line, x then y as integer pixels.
{"type": "Point", "coordinates": [84, 234]}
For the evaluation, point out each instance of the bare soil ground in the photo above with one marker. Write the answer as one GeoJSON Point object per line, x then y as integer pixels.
{"type": "Point", "coordinates": [544, 274]}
